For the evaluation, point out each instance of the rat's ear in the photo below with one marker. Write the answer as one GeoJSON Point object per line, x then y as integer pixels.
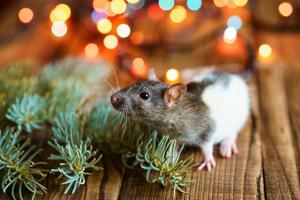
{"type": "Point", "coordinates": [174, 92]}
{"type": "Point", "coordinates": [152, 75]}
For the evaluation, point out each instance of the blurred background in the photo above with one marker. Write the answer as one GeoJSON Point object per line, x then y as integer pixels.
{"type": "Point", "coordinates": [136, 35]}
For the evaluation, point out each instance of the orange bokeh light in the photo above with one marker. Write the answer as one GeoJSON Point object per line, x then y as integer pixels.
{"type": "Point", "coordinates": [285, 9]}
{"type": "Point", "coordinates": [138, 67]}
{"type": "Point", "coordinates": [137, 38]}
{"type": "Point", "coordinates": [25, 15]}
{"type": "Point", "coordinates": [91, 50]}
{"type": "Point", "coordinates": [154, 12]}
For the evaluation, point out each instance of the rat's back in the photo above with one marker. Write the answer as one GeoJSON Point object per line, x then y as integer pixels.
{"type": "Point", "coordinates": [228, 100]}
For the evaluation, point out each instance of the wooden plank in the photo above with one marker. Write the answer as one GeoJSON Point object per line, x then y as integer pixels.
{"type": "Point", "coordinates": [280, 172]}
{"type": "Point", "coordinates": [236, 178]}
{"type": "Point", "coordinates": [293, 97]}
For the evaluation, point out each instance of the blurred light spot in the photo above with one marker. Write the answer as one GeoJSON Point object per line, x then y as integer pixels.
{"type": "Point", "coordinates": [61, 12]}
{"type": "Point", "coordinates": [138, 67]}
{"type": "Point", "coordinates": [97, 15]}
{"type": "Point", "coordinates": [118, 6]}
{"type": "Point", "coordinates": [137, 37]}
{"type": "Point", "coordinates": [123, 30]}
{"type": "Point", "coordinates": [285, 9]}
{"type": "Point", "coordinates": [155, 12]}
{"type": "Point", "coordinates": [133, 1]}
{"type": "Point", "coordinates": [194, 4]}
{"type": "Point", "coordinates": [137, 5]}
{"type": "Point", "coordinates": [110, 41]}
{"type": "Point", "coordinates": [166, 4]}
{"type": "Point", "coordinates": [91, 50]}
{"type": "Point", "coordinates": [172, 75]}
{"type": "Point", "coordinates": [178, 14]}
{"type": "Point", "coordinates": [240, 3]}
{"type": "Point", "coordinates": [265, 50]}
{"type": "Point", "coordinates": [100, 5]}
{"type": "Point", "coordinates": [230, 34]}
{"type": "Point", "coordinates": [234, 21]}
{"type": "Point", "coordinates": [25, 15]}
{"type": "Point", "coordinates": [104, 25]}
{"type": "Point", "coordinates": [59, 29]}
{"type": "Point", "coordinates": [220, 3]}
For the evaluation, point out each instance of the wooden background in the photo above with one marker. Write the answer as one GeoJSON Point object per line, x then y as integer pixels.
{"type": "Point", "coordinates": [268, 163]}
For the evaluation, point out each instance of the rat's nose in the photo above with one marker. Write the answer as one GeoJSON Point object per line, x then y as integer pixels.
{"type": "Point", "coordinates": [116, 101]}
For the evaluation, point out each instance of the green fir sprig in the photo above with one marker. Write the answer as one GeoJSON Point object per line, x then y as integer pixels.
{"type": "Point", "coordinates": [76, 155]}
{"type": "Point", "coordinates": [28, 112]}
{"type": "Point", "coordinates": [19, 170]}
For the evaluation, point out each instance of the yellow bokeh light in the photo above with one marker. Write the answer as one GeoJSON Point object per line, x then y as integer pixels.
{"type": "Point", "coordinates": [265, 50]}
{"type": "Point", "coordinates": [91, 50]}
{"type": "Point", "coordinates": [285, 9]}
{"type": "Point", "coordinates": [220, 3]}
{"type": "Point", "coordinates": [133, 1]}
{"type": "Point", "coordinates": [123, 30]}
{"type": "Point", "coordinates": [240, 3]}
{"type": "Point", "coordinates": [172, 74]}
{"type": "Point", "coordinates": [61, 12]}
{"type": "Point", "coordinates": [110, 41]}
{"type": "Point", "coordinates": [178, 14]}
{"type": "Point", "coordinates": [25, 15]}
{"type": "Point", "coordinates": [59, 29]}
{"type": "Point", "coordinates": [118, 6]}
{"type": "Point", "coordinates": [104, 25]}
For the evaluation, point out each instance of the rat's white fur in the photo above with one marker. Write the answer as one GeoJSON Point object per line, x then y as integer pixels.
{"type": "Point", "coordinates": [229, 107]}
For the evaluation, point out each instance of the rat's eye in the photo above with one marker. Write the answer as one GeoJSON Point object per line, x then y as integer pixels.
{"type": "Point", "coordinates": [144, 95]}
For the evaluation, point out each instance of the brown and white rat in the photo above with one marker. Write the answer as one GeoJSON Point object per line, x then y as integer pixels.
{"type": "Point", "coordinates": [211, 109]}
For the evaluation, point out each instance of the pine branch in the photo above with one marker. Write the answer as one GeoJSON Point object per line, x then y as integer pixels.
{"type": "Point", "coordinates": [160, 159]}
{"type": "Point", "coordinates": [28, 112]}
{"type": "Point", "coordinates": [75, 154]}
{"type": "Point", "coordinates": [20, 171]}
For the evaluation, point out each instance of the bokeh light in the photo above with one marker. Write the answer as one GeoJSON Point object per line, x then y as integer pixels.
{"type": "Point", "coordinates": [110, 41]}
{"type": "Point", "coordinates": [234, 21]}
{"type": "Point", "coordinates": [230, 34]}
{"type": "Point", "coordinates": [166, 4]}
{"type": "Point", "coordinates": [220, 3]}
{"type": "Point", "coordinates": [178, 14]}
{"type": "Point", "coordinates": [265, 50]}
{"type": "Point", "coordinates": [59, 29]}
{"type": "Point", "coordinates": [133, 1]}
{"type": "Point", "coordinates": [240, 3]}
{"type": "Point", "coordinates": [123, 30]}
{"type": "Point", "coordinates": [154, 12]}
{"type": "Point", "coordinates": [137, 37]}
{"type": "Point", "coordinates": [118, 6]}
{"type": "Point", "coordinates": [61, 12]}
{"type": "Point", "coordinates": [138, 67]}
{"type": "Point", "coordinates": [172, 75]}
{"type": "Point", "coordinates": [25, 15]}
{"type": "Point", "coordinates": [194, 4]}
{"type": "Point", "coordinates": [91, 50]}
{"type": "Point", "coordinates": [104, 25]}
{"type": "Point", "coordinates": [100, 4]}
{"type": "Point", "coordinates": [98, 15]}
{"type": "Point", "coordinates": [285, 9]}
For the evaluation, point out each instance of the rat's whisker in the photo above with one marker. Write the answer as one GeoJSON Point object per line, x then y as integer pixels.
{"type": "Point", "coordinates": [114, 90]}
{"type": "Point", "coordinates": [116, 77]}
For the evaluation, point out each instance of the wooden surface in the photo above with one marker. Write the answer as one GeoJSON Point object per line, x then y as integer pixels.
{"type": "Point", "coordinates": [268, 163]}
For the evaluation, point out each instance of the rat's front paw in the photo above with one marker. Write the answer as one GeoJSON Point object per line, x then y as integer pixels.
{"type": "Point", "coordinates": [208, 163]}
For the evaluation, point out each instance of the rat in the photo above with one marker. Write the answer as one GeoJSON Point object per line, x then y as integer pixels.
{"type": "Point", "coordinates": [211, 109]}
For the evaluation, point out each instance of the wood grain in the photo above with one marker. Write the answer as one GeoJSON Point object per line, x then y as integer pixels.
{"type": "Point", "coordinates": [280, 172]}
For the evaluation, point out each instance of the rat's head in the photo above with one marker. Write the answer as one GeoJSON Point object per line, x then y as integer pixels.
{"type": "Point", "coordinates": [147, 100]}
